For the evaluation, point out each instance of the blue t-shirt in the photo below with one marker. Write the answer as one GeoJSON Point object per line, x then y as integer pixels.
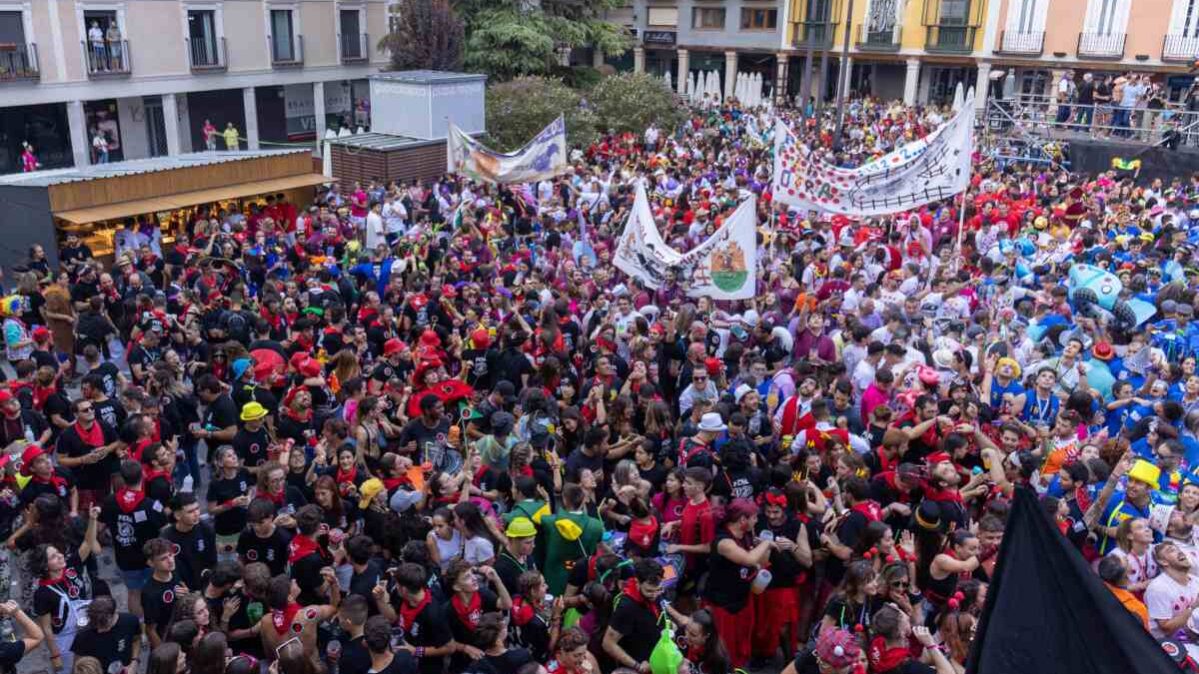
{"type": "Point", "coordinates": [997, 393]}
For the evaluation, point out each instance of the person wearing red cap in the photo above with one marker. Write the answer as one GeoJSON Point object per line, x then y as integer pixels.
{"type": "Point", "coordinates": [44, 479]}
{"type": "Point", "coordinates": [17, 423]}
{"type": "Point", "coordinates": [475, 356]}
{"type": "Point", "coordinates": [392, 366]}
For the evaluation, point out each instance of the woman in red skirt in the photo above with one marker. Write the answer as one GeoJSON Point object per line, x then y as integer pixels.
{"type": "Point", "coordinates": [776, 611]}
{"type": "Point", "coordinates": [734, 561]}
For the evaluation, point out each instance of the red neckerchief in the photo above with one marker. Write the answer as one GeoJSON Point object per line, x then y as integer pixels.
{"type": "Point", "coordinates": [393, 483]}
{"type": "Point", "coordinates": [156, 436]}
{"type": "Point", "coordinates": [694, 654]}
{"type": "Point", "coordinates": [344, 478]}
{"type": "Point", "coordinates": [884, 659]}
{"type": "Point", "coordinates": [47, 582]}
{"type": "Point", "coordinates": [634, 594]}
{"type": "Point", "coordinates": [128, 500]}
{"type": "Point", "coordinates": [522, 612]}
{"type": "Point", "coordinates": [298, 418]}
{"type": "Point", "coordinates": [139, 447]}
{"type": "Point", "coordinates": [942, 495]}
{"type": "Point", "coordinates": [869, 509]}
{"type": "Point", "coordinates": [477, 480]}
{"type": "Point", "coordinates": [884, 463]}
{"type": "Point", "coordinates": [890, 481]}
{"type": "Point", "coordinates": [55, 481]}
{"type": "Point", "coordinates": [93, 437]}
{"type": "Point", "coordinates": [300, 547]}
{"type": "Point", "coordinates": [409, 613]}
{"type": "Point", "coordinates": [468, 614]}
{"type": "Point", "coordinates": [41, 394]}
{"type": "Point", "coordinates": [278, 498]}
{"type": "Point", "coordinates": [282, 620]}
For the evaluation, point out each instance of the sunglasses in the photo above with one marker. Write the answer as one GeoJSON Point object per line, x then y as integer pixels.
{"type": "Point", "coordinates": [900, 584]}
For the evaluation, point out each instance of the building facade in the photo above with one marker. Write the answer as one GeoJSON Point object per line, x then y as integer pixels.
{"type": "Point", "coordinates": [917, 50]}
{"type": "Point", "coordinates": [84, 81]}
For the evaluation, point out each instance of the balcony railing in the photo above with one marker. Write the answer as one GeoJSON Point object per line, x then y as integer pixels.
{"type": "Point", "coordinates": [1180, 48]}
{"type": "Point", "coordinates": [879, 40]}
{"type": "Point", "coordinates": [354, 47]}
{"type": "Point", "coordinates": [1099, 46]}
{"type": "Point", "coordinates": [110, 58]}
{"type": "Point", "coordinates": [207, 55]}
{"type": "Point", "coordinates": [18, 62]}
{"type": "Point", "coordinates": [817, 34]}
{"type": "Point", "coordinates": [950, 38]}
{"type": "Point", "coordinates": [1020, 42]}
{"type": "Point", "coordinates": [288, 54]}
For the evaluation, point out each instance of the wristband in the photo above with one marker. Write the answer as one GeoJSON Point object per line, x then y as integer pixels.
{"type": "Point", "coordinates": [419, 652]}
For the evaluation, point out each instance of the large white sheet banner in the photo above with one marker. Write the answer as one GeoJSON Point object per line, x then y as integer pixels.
{"type": "Point", "coordinates": [641, 251]}
{"type": "Point", "coordinates": [932, 169]}
{"type": "Point", "coordinates": [541, 158]}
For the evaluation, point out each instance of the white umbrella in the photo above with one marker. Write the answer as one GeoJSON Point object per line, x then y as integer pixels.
{"type": "Point", "coordinates": [669, 84]}
{"type": "Point", "coordinates": [697, 88]}
{"type": "Point", "coordinates": [757, 95]}
{"type": "Point", "coordinates": [957, 97]}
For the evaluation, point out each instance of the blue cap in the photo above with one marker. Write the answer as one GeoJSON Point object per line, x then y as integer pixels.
{"type": "Point", "coordinates": [240, 366]}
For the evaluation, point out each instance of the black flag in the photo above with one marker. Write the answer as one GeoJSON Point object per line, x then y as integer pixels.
{"type": "Point", "coordinates": [1046, 610]}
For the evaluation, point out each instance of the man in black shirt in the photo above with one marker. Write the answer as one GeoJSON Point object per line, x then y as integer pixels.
{"type": "Point", "coordinates": [426, 438]}
{"type": "Point", "coordinates": [389, 367]}
{"type": "Point", "coordinates": [263, 541]}
{"type": "Point", "coordinates": [144, 354]}
{"type": "Point", "coordinates": [11, 652]}
{"type": "Point", "coordinates": [161, 591]}
{"type": "Point", "coordinates": [133, 519]}
{"type": "Point", "coordinates": [377, 635]}
{"type": "Point", "coordinates": [353, 657]}
{"type": "Point", "coordinates": [367, 571]}
{"type": "Point", "coordinates": [88, 448]}
{"type": "Point", "coordinates": [636, 621]}
{"type": "Point", "coordinates": [110, 375]}
{"type": "Point", "coordinates": [112, 638]}
{"type": "Point", "coordinates": [17, 423]}
{"type": "Point", "coordinates": [511, 364]}
{"type": "Point", "coordinates": [253, 440]}
{"type": "Point", "coordinates": [194, 541]}
{"type": "Point", "coordinates": [423, 621]}
{"type": "Point", "coordinates": [219, 423]}
{"type": "Point", "coordinates": [73, 255]}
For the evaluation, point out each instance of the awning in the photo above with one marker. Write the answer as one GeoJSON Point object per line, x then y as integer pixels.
{"type": "Point", "coordinates": [171, 202]}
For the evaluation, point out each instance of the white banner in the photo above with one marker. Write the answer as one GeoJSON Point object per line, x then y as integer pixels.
{"type": "Point", "coordinates": [541, 158]}
{"type": "Point", "coordinates": [641, 251]}
{"type": "Point", "coordinates": [932, 169]}
{"type": "Point", "coordinates": [723, 268]}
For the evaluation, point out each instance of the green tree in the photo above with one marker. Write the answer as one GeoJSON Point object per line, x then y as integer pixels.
{"type": "Point", "coordinates": [632, 101]}
{"type": "Point", "coordinates": [510, 38]}
{"type": "Point", "coordinates": [518, 109]}
{"type": "Point", "coordinates": [426, 35]}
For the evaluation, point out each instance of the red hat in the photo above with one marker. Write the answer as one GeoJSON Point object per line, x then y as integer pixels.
{"type": "Point", "coordinates": [419, 301]}
{"type": "Point", "coordinates": [1103, 351]}
{"type": "Point", "coordinates": [713, 366]}
{"type": "Point", "coordinates": [838, 648]}
{"type": "Point", "coordinates": [393, 345]}
{"type": "Point", "coordinates": [480, 338]}
{"type": "Point", "coordinates": [311, 367]}
{"type": "Point", "coordinates": [642, 533]}
{"type": "Point", "coordinates": [448, 290]}
{"type": "Point", "coordinates": [31, 454]}
{"type": "Point", "coordinates": [5, 396]}
{"type": "Point", "coordinates": [41, 333]}
{"type": "Point", "coordinates": [297, 359]}
{"type": "Point", "coordinates": [937, 457]}
{"type": "Point", "coordinates": [430, 338]}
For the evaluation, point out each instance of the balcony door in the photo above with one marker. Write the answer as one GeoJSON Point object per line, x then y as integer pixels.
{"type": "Point", "coordinates": [351, 34]}
{"type": "Point", "coordinates": [881, 19]}
{"type": "Point", "coordinates": [1184, 19]}
{"type": "Point", "coordinates": [1107, 17]}
{"type": "Point", "coordinates": [283, 37]}
{"type": "Point", "coordinates": [953, 21]}
{"type": "Point", "coordinates": [201, 34]}
{"type": "Point", "coordinates": [819, 14]}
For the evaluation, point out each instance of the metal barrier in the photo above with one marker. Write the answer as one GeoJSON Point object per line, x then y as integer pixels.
{"type": "Point", "coordinates": [1043, 116]}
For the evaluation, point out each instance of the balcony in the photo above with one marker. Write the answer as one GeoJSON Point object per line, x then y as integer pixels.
{"type": "Point", "coordinates": [107, 58]}
{"type": "Point", "coordinates": [287, 53]}
{"type": "Point", "coordinates": [18, 62]}
{"type": "Point", "coordinates": [207, 56]}
{"type": "Point", "coordinates": [1099, 46]}
{"type": "Point", "coordinates": [814, 34]}
{"type": "Point", "coordinates": [1020, 42]}
{"type": "Point", "coordinates": [1183, 48]}
{"type": "Point", "coordinates": [354, 47]}
{"type": "Point", "coordinates": [950, 39]}
{"type": "Point", "coordinates": [879, 40]}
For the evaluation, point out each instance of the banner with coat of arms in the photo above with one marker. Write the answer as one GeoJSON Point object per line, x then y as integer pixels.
{"type": "Point", "coordinates": [541, 158]}
{"type": "Point", "coordinates": [931, 169]}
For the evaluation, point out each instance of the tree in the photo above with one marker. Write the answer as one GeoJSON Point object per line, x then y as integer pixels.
{"type": "Point", "coordinates": [426, 35]}
{"type": "Point", "coordinates": [633, 101]}
{"type": "Point", "coordinates": [511, 38]}
{"type": "Point", "coordinates": [518, 109]}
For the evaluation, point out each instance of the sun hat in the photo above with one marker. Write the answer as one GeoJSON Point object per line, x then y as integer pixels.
{"type": "Point", "coordinates": [1143, 471]}
{"type": "Point", "coordinates": [712, 422]}
{"type": "Point", "coordinates": [367, 491]}
{"type": "Point", "coordinates": [520, 527]}
{"type": "Point", "coordinates": [253, 411]}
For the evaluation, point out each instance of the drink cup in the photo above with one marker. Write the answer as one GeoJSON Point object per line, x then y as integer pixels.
{"type": "Point", "coordinates": [761, 581]}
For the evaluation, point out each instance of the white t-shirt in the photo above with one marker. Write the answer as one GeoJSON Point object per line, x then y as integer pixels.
{"type": "Point", "coordinates": [1165, 598]}
{"type": "Point", "coordinates": [1140, 567]}
{"type": "Point", "coordinates": [478, 550]}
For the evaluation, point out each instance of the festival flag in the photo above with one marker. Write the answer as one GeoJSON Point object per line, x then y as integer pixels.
{"type": "Point", "coordinates": [725, 266]}
{"type": "Point", "coordinates": [641, 251]}
{"type": "Point", "coordinates": [1047, 611]}
{"type": "Point", "coordinates": [541, 158]}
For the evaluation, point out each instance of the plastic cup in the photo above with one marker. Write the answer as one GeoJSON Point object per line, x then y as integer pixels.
{"type": "Point", "coordinates": [762, 581]}
{"type": "Point", "coordinates": [766, 535]}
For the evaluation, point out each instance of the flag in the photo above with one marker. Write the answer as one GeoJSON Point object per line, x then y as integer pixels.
{"type": "Point", "coordinates": [931, 169]}
{"type": "Point", "coordinates": [1047, 611]}
{"type": "Point", "coordinates": [543, 157]}
{"type": "Point", "coordinates": [725, 266]}
{"type": "Point", "coordinates": [641, 251]}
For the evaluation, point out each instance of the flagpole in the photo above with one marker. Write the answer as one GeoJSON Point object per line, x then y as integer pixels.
{"type": "Point", "coordinates": [957, 249]}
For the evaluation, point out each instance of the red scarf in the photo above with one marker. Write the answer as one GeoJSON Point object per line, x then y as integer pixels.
{"type": "Point", "coordinates": [93, 437]}
{"type": "Point", "coordinates": [634, 594]}
{"type": "Point", "coordinates": [41, 394]}
{"type": "Point", "coordinates": [393, 483]}
{"type": "Point", "coordinates": [942, 495]}
{"type": "Point", "coordinates": [522, 612]}
{"type": "Point", "coordinates": [884, 659]}
{"type": "Point", "coordinates": [128, 500]}
{"type": "Point", "coordinates": [300, 547]}
{"type": "Point", "coordinates": [468, 614]}
{"type": "Point", "coordinates": [346, 478]}
{"type": "Point", "coordinates": [282, 620]}
{"type": "Point", "coordinates": [869, 509]}
{"type": "Point", "coordinates": [278, 498]}
{"type": "Point", "coordinates": [409, 613]}
{"type": "Point", "coordinates": [55, 482]}
{"type": "Point", "coordinates": [139, 448]}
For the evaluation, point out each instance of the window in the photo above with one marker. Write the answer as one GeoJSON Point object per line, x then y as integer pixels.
{"type": "Point", "coordinates": [667, 17]}
{"type": "Point", "coordinates": [759, 19]}
{"type": "Point", "coordinates": [352, 39]}
{"type": "Point", "coordinates": [202, 37]}
{"type": "Point", "coordinates": [819, 11]}
{"type": "Point", "coordinates": [1026, 13]}
{"type": "Point", "coordinates": [1107, 17]}
{"type": "Point", "coordinates": [12, 28]}
{"type": "Point", "coordinates": [283, 43]}
{"type": "Point", "coordinates": [707, 18]}
{"type": "Point", "coordinates": [955, 12]}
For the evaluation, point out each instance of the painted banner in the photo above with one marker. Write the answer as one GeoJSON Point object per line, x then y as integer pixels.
{"type": "Point", "coordinates": [932, 169]}
{"type": "Point", "coordinates": [724, 267]}
{"type": "Point", "coordinates": [641, 251]}
{"type": "Point", "coordinates": [541, 158]}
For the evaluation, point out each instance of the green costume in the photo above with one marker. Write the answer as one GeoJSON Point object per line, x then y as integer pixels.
{"type": "Point", "coordinates": [534, 509]}
{"type": "Point", "coordinates": [569, 538]}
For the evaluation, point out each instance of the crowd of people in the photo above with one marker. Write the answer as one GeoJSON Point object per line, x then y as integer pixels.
{"type": "Point", "coordinates": [430, 428]}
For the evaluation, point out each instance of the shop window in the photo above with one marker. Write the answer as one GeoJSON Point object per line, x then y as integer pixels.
{"type": "Point", "coordinates": [707, 18]}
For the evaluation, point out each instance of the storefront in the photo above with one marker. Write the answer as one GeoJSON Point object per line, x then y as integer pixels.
{"type": "Point", "coordinates": [96, 201]}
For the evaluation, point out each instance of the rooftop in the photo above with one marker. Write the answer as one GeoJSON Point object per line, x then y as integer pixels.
{"type": "Point", "coordinates": [380, 141]}
{"type": "Point", "coordinates": [428, 77]}
{"type": "Point", "coordinates": [135, 166]}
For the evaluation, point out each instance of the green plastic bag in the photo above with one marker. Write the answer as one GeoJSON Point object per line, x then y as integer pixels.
{"type": "Point", "coordinates": [666, 656]}
{"type": "Point", "coordinates": [570, 618]}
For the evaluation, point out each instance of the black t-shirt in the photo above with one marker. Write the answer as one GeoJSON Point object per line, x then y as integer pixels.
{"type": "Point", "coordinates": [508, 568]}
{"type": "Point", "coordinates": [145, 357]}
{"type": "Point", "coordinates": [52, 599]}
{"type": "Point", "coordinates": [222, 413]}
{"type": "Point", "coordinates": [508, 662]}
{"type": "Point", "coordinates": [115, 645]}
{"type": "Point", "coordinates": [131, 526]}
{"type": "Point", "coordinates": [194, 551]}
{"type": "Point", "coordinates": [364, 583]}
{"type": "Point", "coordinates": [158, 603]}
{"type": "Point", "coordinates": [402, 662]}
{"type": "Point", "coordinates": [271, 551]}
{"type": "Point", "coordinates": [221, 490]}
{"type": "Point", "coordinates": [728, 582]}
{"type": "Point", "coordinates": [251, 446]}
{"type": "Point", "coordinates": [429, 629]}
{"type": "Point", "coordinates": [848, 532]}
{"type": "Point", "coordinates": [60, 488]}
{"type": "Point", "coordinates": [477, 373]}
{"type": "Point", "coordinates": [846, 615]}
{"type": "Point", "coordinates": [430, 442]}
{"type": "Point", "coordinates": [638, 627]}
{"type": "Point", "coordinates": [355, 658]}
{"type": "Point", "coordinates": [784, 567]}
{"type": "Point", "coordinates": [111, 412]}
{"type": "Point", "coordinates": [509, 364]}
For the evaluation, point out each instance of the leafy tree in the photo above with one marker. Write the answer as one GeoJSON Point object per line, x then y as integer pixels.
{"type": "Point", "coordinates": [510, 38]}
{"type": "Point", "coordinates": [426, 35]}
{"type": "Point", "coordinates": [518, 109]}
{"type": "Point", "coordinates": [632, 101]}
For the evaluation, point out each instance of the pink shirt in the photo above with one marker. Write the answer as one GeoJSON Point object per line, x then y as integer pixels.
{"type": "Point", "coordinates": [872, 397]}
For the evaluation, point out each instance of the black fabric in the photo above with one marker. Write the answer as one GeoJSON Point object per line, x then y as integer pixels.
{"type": "Point", "coordinates": [1048, 612]}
